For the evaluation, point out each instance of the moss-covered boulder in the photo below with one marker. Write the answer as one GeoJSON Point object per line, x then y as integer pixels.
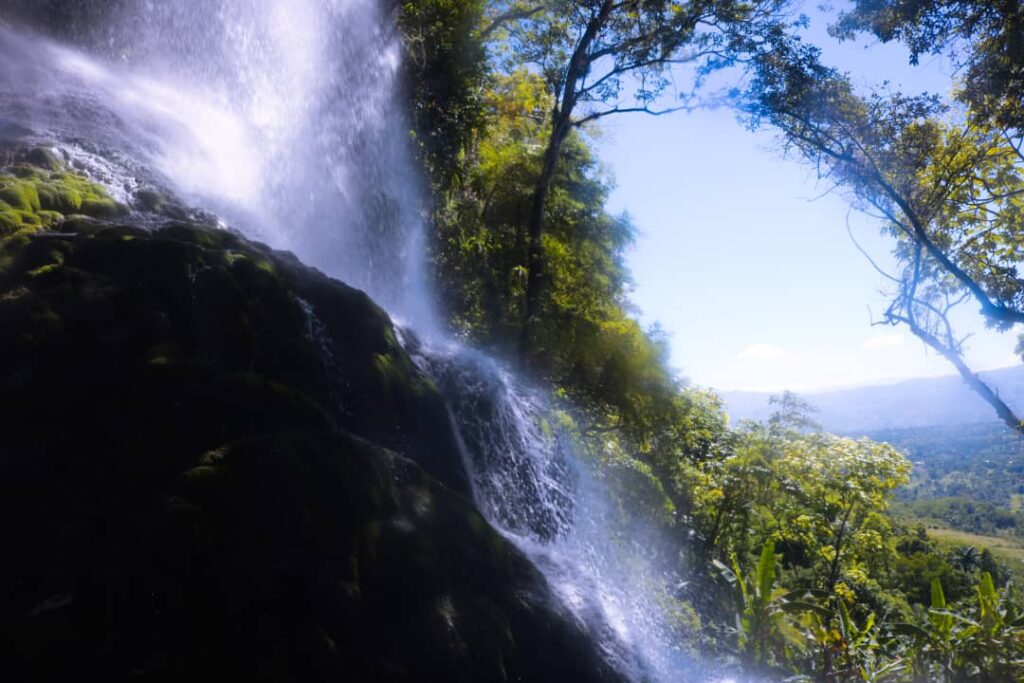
{"type": "Point", "coordinates": [38, 192]}
{"type": "Point", "coordinates": [217, 462]}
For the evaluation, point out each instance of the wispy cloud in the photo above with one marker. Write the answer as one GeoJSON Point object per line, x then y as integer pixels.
{"type": "Point", "coordinates": [761, 352]}
{"type": "Point", "coordinates": [881, 341]}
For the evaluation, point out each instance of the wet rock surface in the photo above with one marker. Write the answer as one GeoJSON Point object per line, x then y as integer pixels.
{"type": "Point", "coordinates": [218, 462]}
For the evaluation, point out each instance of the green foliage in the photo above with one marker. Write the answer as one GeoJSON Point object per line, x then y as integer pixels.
{"type": "Point", "coordinates": [981, 641]}
{"type": "Point", "coordinates": [765, 632]}
{"type": "Point", "coordinates": [821, 496]}
{"type": "Point", "coordinates": [444, 69]}
{"type": "Point", "coordinates": [914, 574]}
{"type": "Point", "coordinates": [637, 418]}
{"type": "Point", "coordinates": [821, 577]}
{"type": "Point", "coordinates": [984, 39]}
{"type": "Point", "coordinates": [861, 650]}
{"type": "Point", "coordinates": [966, 514]}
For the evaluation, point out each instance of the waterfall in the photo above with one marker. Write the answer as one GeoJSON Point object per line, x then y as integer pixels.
{"type": "Point", "coordinates": [532, 484]}
{"type": "Point", "coordinates": [280, 116]}
{"type": "Point", "coordinates": [283, 118]}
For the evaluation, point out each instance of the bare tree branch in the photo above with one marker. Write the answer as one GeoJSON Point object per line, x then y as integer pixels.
{"type": "Point", "coordinates": [849, 231]}
{"type": "Point", "coordinates": [517, 14]}
{"type": "Point", "coordinates": [629, 110]}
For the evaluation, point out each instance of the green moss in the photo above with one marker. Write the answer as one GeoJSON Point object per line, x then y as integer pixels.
{"type": "Point", "coordinates": [389, 338]}
{"type": "Point", "coordinates": [102, 207]}
{"type": "Point", "coordinates": [50, 218]}
{"type": "Point", "coordinates": [156, 202]}
{"type": "Point", "coordinates": [10, 222]}
{"type": "Point", "coordinates": [215, 456]}
{"type": "Point", "coordinates": [19, 194]}
{"type": "Point", "coordinates": [150, 200]}
{"type": "Point", "coordinates": [29, 218]}
{"type": "Point", "coordinates": [26, 171]}
{"type": "Point", "coordinates": [425, 386]}
{"type": "Point", "coordinates": [392, 371]}
{"type": "Point", "coordinates": [202, 473]}
{"type": "Point", "coordinates": [163, 353]}
{"type": "Point", "coordinates": [49, 261]}
{"type": "Point", "coordinates": [42, 195]}
{"type": "Point", "coordinates": [43, 270]}
{"type": "Point", "coordinates": [59, 197]}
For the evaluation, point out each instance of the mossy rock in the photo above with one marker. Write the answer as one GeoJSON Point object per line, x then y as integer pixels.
{"type": "Point", "coordinates": [19, 194]}
{"type": "Point", "coordinates": [59, 197]}
{"type": "Point", "coordinates": [10, 221]}
{"type": "Point", "coordinates": [102, 207]}
{"type": "Point", "coordinates": [195, 489]}
{"type": "Point", "coordinates": [43, 158]}
{"type": "Point", "coordinates": [39, 192]}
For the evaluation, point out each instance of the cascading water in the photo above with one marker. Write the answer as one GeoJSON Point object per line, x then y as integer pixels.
{"type": "Point", "coordinates": [282, 117]}
{"type": "Point", "coordinates": [278, 116]}
{"type": "Point", "coordinates": [530, 483]}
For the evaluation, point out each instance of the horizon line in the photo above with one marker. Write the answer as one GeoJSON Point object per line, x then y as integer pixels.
{"type": "Point", "coordinates": [876, 382]}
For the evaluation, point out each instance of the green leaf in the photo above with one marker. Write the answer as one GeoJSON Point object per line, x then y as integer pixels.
{"type": "Point", "coordinates": [938, 597]}
{"type": "Point", "coordinates": [766, 570]}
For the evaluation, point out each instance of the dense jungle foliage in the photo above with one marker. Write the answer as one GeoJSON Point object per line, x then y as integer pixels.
{"type": "Point", "coordinates": [796, 567]}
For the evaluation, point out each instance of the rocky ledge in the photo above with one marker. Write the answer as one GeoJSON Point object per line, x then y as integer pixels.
{"type": "Point", "coordinates": [217, 462]}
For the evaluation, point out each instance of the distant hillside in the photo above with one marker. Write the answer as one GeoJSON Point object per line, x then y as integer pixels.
{"type": "Point", "coordinates": [913, 403]}
{"type": "Point", "coordinates": [981, 462]}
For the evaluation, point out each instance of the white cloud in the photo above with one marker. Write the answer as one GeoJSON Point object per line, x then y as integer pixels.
{"type": "Point", "coordinates": [761, 352]}
{"type": "Point", "coordinates": [881, 341]}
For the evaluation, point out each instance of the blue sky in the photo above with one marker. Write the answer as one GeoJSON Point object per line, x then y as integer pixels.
{"type": "Point", "coordinates": [748, 267]}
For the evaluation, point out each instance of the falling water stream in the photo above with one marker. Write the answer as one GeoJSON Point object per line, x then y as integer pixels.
{"type": "Point", "coordinates": [283, 118]}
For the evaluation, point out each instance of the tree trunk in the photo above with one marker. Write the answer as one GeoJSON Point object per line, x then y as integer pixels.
{"type": "Point", "coordinates": [561, 125]}
{"type": "Point", "coordinates": [535, 259]}
{"type": "Point", "coordinates": [833, 572]}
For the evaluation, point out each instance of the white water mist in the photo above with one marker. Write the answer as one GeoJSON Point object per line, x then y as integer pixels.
{"type": "Point", "coordinates": [283, 117]}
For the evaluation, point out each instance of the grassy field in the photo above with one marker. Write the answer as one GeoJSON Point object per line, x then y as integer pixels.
{"type": "Point", "coordinates": [1008, 549]}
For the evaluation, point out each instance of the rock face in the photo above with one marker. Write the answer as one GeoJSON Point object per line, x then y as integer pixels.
{"type": "Point", "coordinates": [219, 463]}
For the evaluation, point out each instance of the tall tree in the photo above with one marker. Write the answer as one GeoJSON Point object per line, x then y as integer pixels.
{"type": "Point", "coordinates": [605, 57]}
{"type": "Point", "coordinates": [946, 178]}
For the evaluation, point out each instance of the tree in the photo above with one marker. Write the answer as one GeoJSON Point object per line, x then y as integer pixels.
{"type": "Point", "coordinates": [947, 185]}
{"type": "Point", "coordinates": [444, 71]}
{"type": "Point", "coordinates": [843, 484]}
{"type": "Point", "coordinates": [820, 497]}
{"type": "Point", "coordinates": [966, 558]}
{"type": "Point", "coordinates": [991, 32]}
{"type": "Point", "coordinates": [605, 57]}
{"type": "Point", "coordinates": [792, 413]}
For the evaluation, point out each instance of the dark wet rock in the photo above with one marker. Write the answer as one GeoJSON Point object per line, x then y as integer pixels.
{"type": "Point", "coordinates": [217, 462]}
{"type": "Point", "coordinates": [43, 158]}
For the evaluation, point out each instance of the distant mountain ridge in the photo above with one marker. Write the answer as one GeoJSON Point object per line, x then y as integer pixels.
{"type": "Point", "coordinates": [912, 403]}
